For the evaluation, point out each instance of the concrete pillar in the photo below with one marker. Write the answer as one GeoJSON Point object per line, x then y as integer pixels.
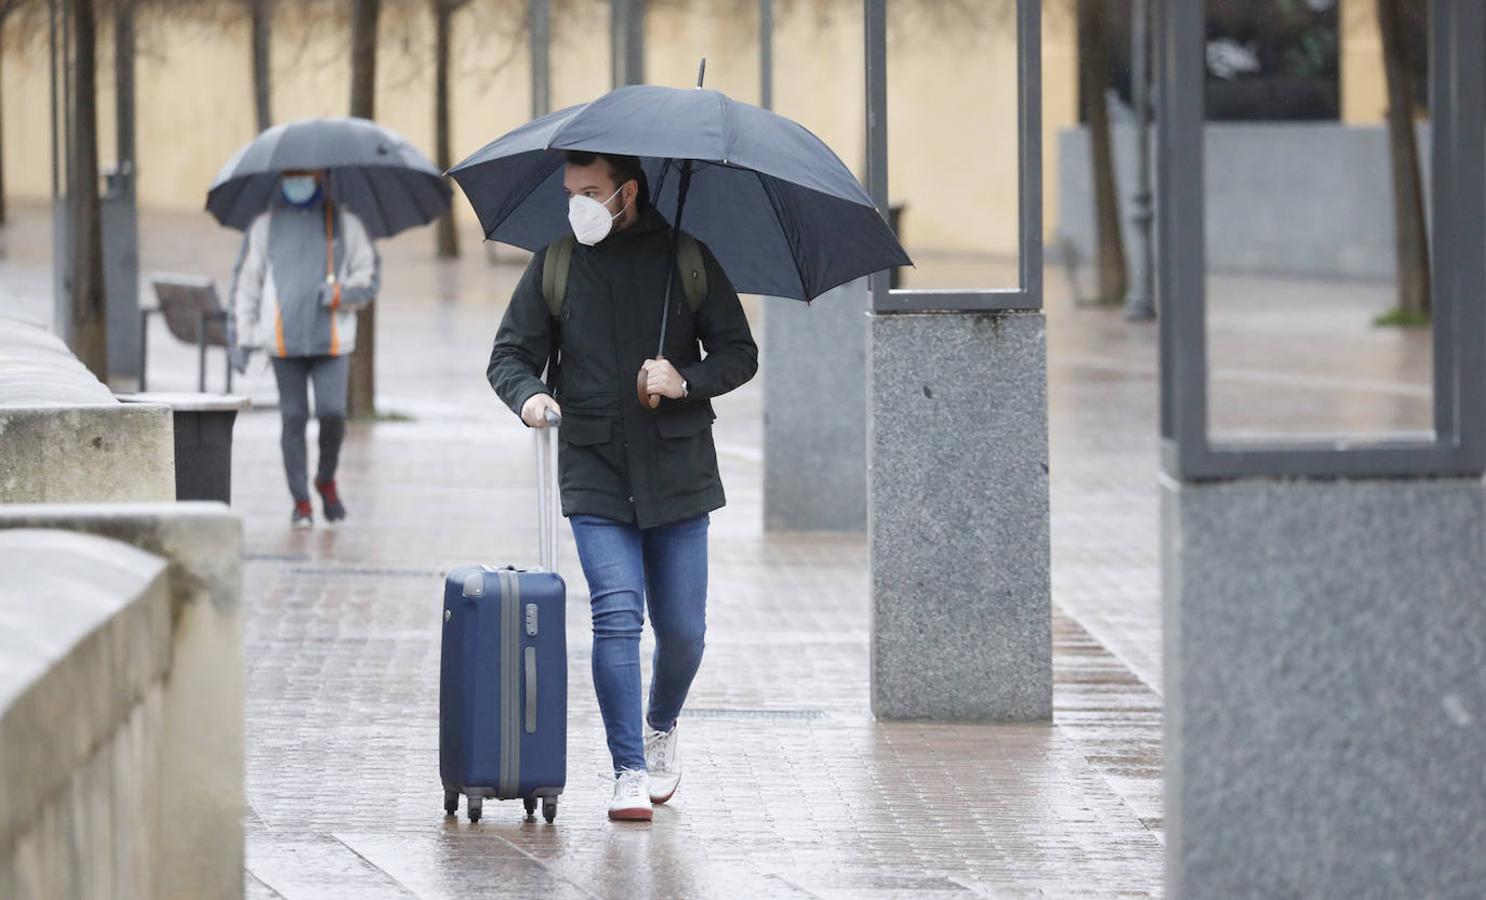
{"type": "Point", "coordinates": [1325, 688]}
{"type": "Point", "coordinates": [815, 405]}
{"type": "Point", "coordinates": [958, 528]}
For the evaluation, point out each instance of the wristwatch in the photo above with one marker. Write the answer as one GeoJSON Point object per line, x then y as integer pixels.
{"type": "Point", "coordinates": [685, 389]}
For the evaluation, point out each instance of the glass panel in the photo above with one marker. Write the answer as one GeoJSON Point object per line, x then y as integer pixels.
{"type": "Point", "coordinates": [1302, 256]}
{"type": "Point", "coordinates": [952, 141]}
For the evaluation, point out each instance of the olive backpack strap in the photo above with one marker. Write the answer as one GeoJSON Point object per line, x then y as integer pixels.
{"type": "Point", "coordinates": [693, 270]}
{"type": "Point", "coordinates": [555, 267]}
{"type": "Point", "coordinates": [555, 273]}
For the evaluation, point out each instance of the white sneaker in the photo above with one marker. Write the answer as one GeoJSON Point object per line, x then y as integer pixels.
{"type": "Point", "coordinates": [663, 759]}
{"type": "Point", "coordinates": [631, 800]}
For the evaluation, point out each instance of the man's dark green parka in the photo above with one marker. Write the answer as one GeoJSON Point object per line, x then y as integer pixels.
{"type": "Point", "coordinates": [619, 459]}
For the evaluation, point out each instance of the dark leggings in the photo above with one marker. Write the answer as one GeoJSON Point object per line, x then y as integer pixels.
{"type": "Point", "coordinates": [294, 375]}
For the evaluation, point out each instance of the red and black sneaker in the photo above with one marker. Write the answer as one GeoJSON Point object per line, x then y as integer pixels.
{"type": "Point", "coordinates": [330, 501]}
{"type": "Point", "coordinates": [303, 516]}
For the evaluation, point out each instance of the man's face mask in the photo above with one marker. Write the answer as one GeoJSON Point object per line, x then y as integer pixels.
{"type": "Point", "coordinates": [299, 189]}
{"type": "Point", "coordinates": [591, 220]}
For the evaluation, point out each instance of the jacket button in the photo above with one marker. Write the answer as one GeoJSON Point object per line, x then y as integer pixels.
{"type": "Point", "coordinates": [632, 499]}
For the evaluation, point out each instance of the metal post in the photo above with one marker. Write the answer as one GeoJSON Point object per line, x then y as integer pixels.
{"type": "Point", "coordinates": [124, 95]}
{"type": "Point", "coordinates": [766, 53]}
{"type": "Point", "coordinates": [1139, 305]}
{"type": "Point", "coordinates": [627, 41]}
{"type": "Point", "coordinates": [541, 64]}
{"type": "Point", "coordinates": [875, 30]}
{"type": "Point", "coordinates": [120, 215]}
{"type": "Point", "coordinates": [60, 34]}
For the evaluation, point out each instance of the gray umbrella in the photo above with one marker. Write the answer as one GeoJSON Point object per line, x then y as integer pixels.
{"type": "Point", "coordinates": [781, 212]}
{"type": "Point", "coordinates": [385, 180]}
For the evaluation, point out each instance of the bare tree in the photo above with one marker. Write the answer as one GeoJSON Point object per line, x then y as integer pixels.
{"type": "Point", "coordinates": [447, 234]}
{"type": "Point", "coordinates": [89, 329]}
{"type": "Point", "coordinates": [1093, 66]}
{"type": "Point", "coordinates": [364, 19]}
{"type": "Point", "coordinates": [1411, 240]}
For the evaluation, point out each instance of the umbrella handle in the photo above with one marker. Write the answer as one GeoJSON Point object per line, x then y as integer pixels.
{"type": "Point", "coordinates": [647, 399]}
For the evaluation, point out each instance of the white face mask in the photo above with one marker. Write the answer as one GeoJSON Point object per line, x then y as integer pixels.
{"type": "Point", "coordinates": [591, 219]}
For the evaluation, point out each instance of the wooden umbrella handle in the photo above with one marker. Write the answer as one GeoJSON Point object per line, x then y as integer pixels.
{"type": "Point", "coordinates": [647, 399]}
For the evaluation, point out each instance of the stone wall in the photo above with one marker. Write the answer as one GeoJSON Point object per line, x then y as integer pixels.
{"type": "Point", "coordinates": [1311, 198]}
{"type": "Point", "coordinates": [63, 436]}
{"type": "Point", "coordinates": [86, 646]}
{"type": "Point", "coordinates": [193, 734]}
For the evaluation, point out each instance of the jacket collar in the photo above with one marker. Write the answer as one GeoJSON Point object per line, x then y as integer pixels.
{"type": "Point", "coordinates": [649, 222]}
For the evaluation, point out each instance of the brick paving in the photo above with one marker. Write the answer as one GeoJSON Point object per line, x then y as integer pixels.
{"type": "Point", "coordinates": [792, 790]}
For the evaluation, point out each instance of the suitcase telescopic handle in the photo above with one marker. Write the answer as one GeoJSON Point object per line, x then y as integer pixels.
{"type": "Point", "coordinates": [548, 510]}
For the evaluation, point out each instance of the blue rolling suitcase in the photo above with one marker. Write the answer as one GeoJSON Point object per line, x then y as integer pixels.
{"type": "Point", "coordinates": [503, 688]}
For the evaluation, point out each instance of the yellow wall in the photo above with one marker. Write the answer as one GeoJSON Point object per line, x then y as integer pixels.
{"type": "Point", "coordinates": [1364, 89]}
{"type": "Point", "coordinates": [952, 94]}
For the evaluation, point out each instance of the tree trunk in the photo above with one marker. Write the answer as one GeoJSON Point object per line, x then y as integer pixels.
{"type": "Point", "coordinates": [446, 233]}
{"type": "Point", "coordinates": [2, 125]}
{"type": "Point", "coordinates": [1411, 240]}
{"type": "Point", "coordinates": [262, 75]}
{"type": "Point", "coordinates": [1093, 67]}
{"type": "Point", "coordinates": [364, 14]}
{"type": "Point", "coordinates": [89, 309]}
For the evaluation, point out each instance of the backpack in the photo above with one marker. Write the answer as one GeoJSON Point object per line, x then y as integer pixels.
{"type": "Point", "coordinates": [560, 258]}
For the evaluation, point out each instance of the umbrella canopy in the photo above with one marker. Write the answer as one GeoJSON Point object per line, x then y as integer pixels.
{"type": "Point", "coordinates": [385, 181]}
{"type": "Point", "coordinates": [781, 212]}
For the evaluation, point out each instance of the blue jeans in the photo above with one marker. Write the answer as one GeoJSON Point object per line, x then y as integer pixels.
{"type": "Point", "coordinates": [626, 567]}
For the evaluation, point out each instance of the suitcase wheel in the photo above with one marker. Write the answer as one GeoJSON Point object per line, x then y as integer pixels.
{"type": "Point", "coordinates": [549, 809]}
{"type": "Point", "coordinates": [451, 802]}
{"type": "Point", "coordinates": [531, 807]}
{"type": "Point", "coordinates": [473, 805]}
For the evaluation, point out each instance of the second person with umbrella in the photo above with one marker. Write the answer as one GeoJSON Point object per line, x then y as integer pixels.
{"type": "Point", "coordinates": [306, 267]}
{"type": "Point", "coordinates": [311, 196]}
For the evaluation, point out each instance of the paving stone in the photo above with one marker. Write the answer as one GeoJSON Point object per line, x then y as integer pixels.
{"type": "Point", "coordinates": [791, 790]}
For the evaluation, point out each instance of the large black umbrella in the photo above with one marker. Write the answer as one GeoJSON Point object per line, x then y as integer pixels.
{"type": "Point", "coordinates": [781, 212]}
{"type": "Point", "coordinates": [385, 181]}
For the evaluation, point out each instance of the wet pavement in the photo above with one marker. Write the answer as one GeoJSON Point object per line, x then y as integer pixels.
{"type": "Point", "coordinates": [791, 789]}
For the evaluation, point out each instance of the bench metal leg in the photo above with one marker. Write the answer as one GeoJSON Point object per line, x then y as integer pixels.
{"type": "Point", "coordinates": [144, 340]}
{"type": "Point", "coordinates": [201, 353]}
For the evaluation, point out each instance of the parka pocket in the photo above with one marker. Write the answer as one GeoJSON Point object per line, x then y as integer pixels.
{"type": "Point", "coordinates": [684, 421]}
{"type": "Point", "coordinates": [584, 430]}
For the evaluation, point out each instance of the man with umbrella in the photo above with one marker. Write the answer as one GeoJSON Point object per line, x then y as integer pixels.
{"type": "Point", "coordinates": [307, 266]}
{"type": "Point", "coordinates": [626, 292]}
{"type": "Point", "coordinates": [637, 483]}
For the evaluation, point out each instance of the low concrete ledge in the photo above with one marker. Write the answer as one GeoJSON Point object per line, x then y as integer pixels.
{"type": "Point", "coordinates": [72, 454]}
{"type": "Point", "coordinates": [63, 436]}
{"type": "Point", "coordinates": [84, 647]}
{"type": "Point", "coordinates": [199, 720]}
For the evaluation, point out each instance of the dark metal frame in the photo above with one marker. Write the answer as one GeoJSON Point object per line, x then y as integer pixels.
{"type": "Point", "coordinates": [1457, 85]}
{"type": "Point", "coordinates": [539, 22]}
{"type": "Point", "coordinates": [1028, 294]}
